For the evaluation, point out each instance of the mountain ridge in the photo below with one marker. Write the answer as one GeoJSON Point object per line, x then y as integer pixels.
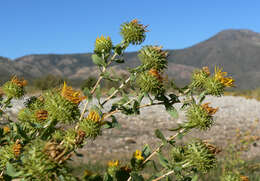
{"type": "Point", "coordinates": [236, 50]}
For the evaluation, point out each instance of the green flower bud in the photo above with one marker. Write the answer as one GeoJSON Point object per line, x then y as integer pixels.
{"type": "Point", "coordinates": [214, 87]}
{"type": "Point", "coordinates": [199, 77]}
{"type": "Point", "coordinates": [153, 57]}
{"type": "Point", "coordinates": [133, 32]}
{"type": "Point", "coordinates": [103, 45]}
{"type": "Point", "coordinates": [91, 125]}
{"type": "Point", "coordinates": [7, 154]}
{"type": "Point", "coordinates": [150, 82]}
{"type": "Point", "coordinates": [199, 157]}
{"type": "Point", "coordinates": [199, 116]}
{"type": "Point", "coordinates": [59, 108]}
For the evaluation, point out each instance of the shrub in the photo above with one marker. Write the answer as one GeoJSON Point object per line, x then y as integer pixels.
{"type": "Point", "coordinates": [50, 128]}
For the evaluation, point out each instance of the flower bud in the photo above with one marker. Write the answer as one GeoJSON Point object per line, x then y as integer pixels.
{"type": "Point", "coordinates": [103, 45]}
{"type": "Point", "coordinates": [150, 82]}
{"type": "Point", "coordinates": [133, 32]}
{"type": "Point", "coordinates": [153, 57]}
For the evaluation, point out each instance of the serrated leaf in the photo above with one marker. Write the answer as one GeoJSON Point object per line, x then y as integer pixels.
{"type": "Point", "coordinates": [172, 111]}
{"type": "Point", "coordinates": [98, 60]}
{"type": "Point", "coordinates": [163, 161]}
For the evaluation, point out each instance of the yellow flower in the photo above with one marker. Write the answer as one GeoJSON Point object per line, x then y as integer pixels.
{"type": "Point", "coordinates": [71, 95]}
{"type": "Point", "coordinates": [87, 173]}
{"type": "Point", "coordinates": [6, 129]}
{"type": "Point", "coordinates": [94, 116]}
{"type": "Point", "coordinates": [138, 155]}
{"type": "Point", "coordinates": [20, 83]}
{"type": "Point", "coordinates": [221, 76]}
{"type": "Point", "coordinates": [113, 163]}
{"type": "Point", "coordinates": [210, 110]}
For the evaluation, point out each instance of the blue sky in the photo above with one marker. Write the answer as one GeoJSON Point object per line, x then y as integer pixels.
{"type": "Point", "coordinates": [71, 26]}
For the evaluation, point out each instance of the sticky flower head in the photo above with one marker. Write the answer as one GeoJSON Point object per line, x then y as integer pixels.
{"type": "Point", "coordinates": [221, 76]}
{"type": "Point", "coordinates": [199, 116]}
{"type": "Point", "coordinates": [150, 82]}
{"type": "Point", "coordinates": [103, 45]}
{"type": "Point", "coordinates": [91, 125]}
{"type": "Point", "coordinates": [71, 95]}
{"type": "Point", "coordinates": [199, 77]}
{"type": "Point", "coordinates": [14, 88]}
{"type": "Point", "coordinates": [153, 57]}
{"type": "Point", "coordinates": [133, 32]}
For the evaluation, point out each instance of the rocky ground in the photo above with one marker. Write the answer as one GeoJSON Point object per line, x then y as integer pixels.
{"type": "Point", "coordinates": [136, 131]}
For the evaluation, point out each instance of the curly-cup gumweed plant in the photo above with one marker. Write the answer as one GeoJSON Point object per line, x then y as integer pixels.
{"type": "Point", "coordinates": [51, 127]}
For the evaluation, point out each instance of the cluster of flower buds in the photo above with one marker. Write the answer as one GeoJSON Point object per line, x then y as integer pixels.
{"type": "Point", "coordinates": [103, 45]}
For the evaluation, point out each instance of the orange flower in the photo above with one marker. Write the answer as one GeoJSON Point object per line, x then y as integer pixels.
{"type": "Point", "coordinates": [20, 83]}
{"type": "Point", "coordinates": [210, 110]}
{"type": "Point", "coordinates": [156, 74]}
{"type": "Point", "coordinates": [71, 95]}
{"type": "Point", "coordinates": [244, 178]}
{"type": "Point", "coordinates": [6, 129]}
{"type": "Point", "coordinates": [221, 76]}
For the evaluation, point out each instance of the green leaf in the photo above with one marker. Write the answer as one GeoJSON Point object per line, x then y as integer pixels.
{"type": "Point", "coordinates": [98, 60]}
{"type": "Point", "coordinates": [163, 161]}
{"type": "Point", "coordinates": [136, 108]}
{"type": "Point", "coordinates": [10, 170]}
{"type": "Point", "coordinates": [195, 178]}
{"type": "Point", "coordinates": [202, 96]}
{"type": "Point", "coordinates": [87, 93]}
{"type": "Point", "coordinates": [136, 177]}
{"type": "Point", "coordinates": [107, 177]}
{"type": "Point", "coordinates": [146, 151]}
{"type": "Point", "coordinates": [172, 111]}
{"type": "Point", "coordinates": [160, 135]}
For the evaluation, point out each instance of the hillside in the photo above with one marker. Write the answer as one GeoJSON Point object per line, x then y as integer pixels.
{"type": "Point", "coordinates": [238, 51]}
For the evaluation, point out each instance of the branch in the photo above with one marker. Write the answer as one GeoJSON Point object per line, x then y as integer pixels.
{"type": "Point", "coordinates": [165, 175]}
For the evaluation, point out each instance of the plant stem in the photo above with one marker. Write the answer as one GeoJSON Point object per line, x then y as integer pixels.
{"type": "Point", "coordinates": [116, 91]}
{"type": "Point", "coordinates": [96, 85]}
{"type": "Point", "coordinates": [165, 175]}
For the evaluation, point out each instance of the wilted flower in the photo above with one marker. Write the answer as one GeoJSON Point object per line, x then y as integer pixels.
{"type": "Point", "coordinates": [210, 110]}
{"type": "Point", "coordinates": [20, 83]}
{"type": "Point", "coordinates": [17, 148]}
{"type": "Point", "coordinates": [71, 95]}
{"type": "Point", "coordinates": [206, 70]}
{"type": "Point", "coordinates": [42, 115]}
{"type": "Point", "coordinates": [156, 74]}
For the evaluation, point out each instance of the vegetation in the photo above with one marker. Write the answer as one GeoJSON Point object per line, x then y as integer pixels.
{"type": "Point", "coordinates": [51, 127]}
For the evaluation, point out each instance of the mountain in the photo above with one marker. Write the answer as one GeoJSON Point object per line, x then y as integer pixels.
{"type": "Point", "coordinates": [237, 51]}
